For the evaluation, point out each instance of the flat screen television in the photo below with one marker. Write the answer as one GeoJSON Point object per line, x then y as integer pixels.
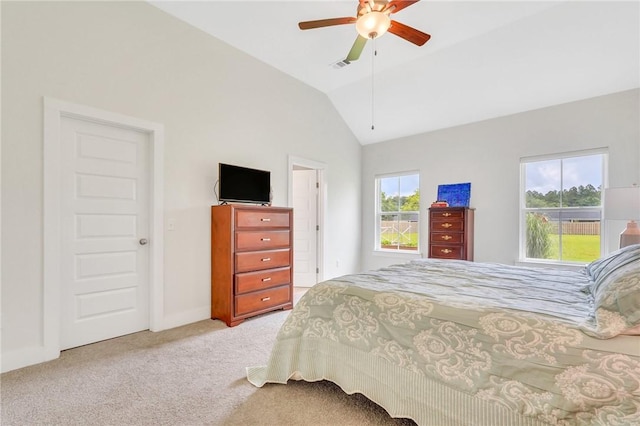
{"type": "Point", "coordinates": [243, 185]}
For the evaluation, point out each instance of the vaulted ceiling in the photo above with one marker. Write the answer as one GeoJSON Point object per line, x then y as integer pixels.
{"type": "Point", "coordinates": [485, 59]}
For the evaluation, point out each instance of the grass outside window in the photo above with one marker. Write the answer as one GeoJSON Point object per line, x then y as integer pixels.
{"type": "Point", "coordinates": [576, 248]}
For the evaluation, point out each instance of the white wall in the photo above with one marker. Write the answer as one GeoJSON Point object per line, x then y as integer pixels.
{"type": "Point", "coordinates": [488, 153]}
{"type": "Point", "coordinates": [217, 105]}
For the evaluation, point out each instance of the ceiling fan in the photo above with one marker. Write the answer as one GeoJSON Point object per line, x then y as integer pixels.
{"type": "Point", "coordinates": [372, 20]}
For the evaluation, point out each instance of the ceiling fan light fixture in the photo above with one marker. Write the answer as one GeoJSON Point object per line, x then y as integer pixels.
{"type": "Point", "coordinates": [373, 24]}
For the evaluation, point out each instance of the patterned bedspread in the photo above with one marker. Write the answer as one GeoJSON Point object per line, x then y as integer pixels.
{"type": "Point", "coordinates": [521, 338]}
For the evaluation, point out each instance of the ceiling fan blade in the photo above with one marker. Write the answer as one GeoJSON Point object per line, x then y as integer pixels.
{"type": "Point", "coordinates": [307, 25]}
{"type": "Point", "coordinates": [356, 49]}
{"type": "Point", "coordinates": [408, 33]}
{"type": "Point", "coordinates": [395, 6]}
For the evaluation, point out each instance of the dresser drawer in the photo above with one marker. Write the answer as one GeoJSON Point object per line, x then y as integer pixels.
{"type": "Point", "coordinates": [260, 240]}
{"type": "Point", "coordinates": [447, 214]}
{"type": "Point", "coordinates": [445, 252]}
{"type": "Point", "coordinates": [262, 219]}
{"type": "Point", "coordinates": [262, 300]}
{"type": "Point", "coordinates": [251, 281]}
{"type": "Point", "coordinates": [258, 260]}
{"type": "Point", "coordinates": [446, 237]}
{"type": "Point", "coordinates": [453, 225]}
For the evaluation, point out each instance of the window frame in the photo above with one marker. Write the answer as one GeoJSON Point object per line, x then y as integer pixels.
{"type": "Point", "coordinates": [523, 209]}
{"type": "Point", "coordinates": [378, 213]}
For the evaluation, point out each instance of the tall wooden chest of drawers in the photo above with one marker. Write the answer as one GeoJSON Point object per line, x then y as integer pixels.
{"type": "Point", "coordinates": [251, 261]}
{"type": "Point", "coordinates": [451, 233]}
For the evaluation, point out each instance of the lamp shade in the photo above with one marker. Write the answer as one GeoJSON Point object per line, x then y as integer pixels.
{"type": "Point", "coordinates": [373, 24]}
{"type": "Point", "coordinates": [622, 203]}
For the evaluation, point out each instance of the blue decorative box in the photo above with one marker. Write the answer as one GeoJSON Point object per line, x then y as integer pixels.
{"type": "Point", "coordinates": [456, 194]}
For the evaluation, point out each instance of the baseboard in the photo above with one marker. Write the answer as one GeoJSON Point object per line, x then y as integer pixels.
{"type": "Point", "coordinates": [13, 360]}
{"type": "Point", "coordinates": [184, 318]}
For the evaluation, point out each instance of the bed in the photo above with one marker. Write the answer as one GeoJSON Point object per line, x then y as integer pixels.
{"type": "Point", "coordinates": [446, 342]}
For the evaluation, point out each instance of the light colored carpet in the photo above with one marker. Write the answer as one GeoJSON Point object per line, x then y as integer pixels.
{"type": "Point", "coordinates": [191, 375]}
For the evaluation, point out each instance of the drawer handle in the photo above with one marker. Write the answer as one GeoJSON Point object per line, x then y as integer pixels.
{"type": "Point", "coordinates": [447, 225]}
{"type": "Point", "coordinates": [266, 279]}
{"type": "Point", "coordinates": [265, 219]}
{"type": "Point", "coordinates": [265, 239]}
{"type": "Point", "coordinates": [265, 299]}
{"type": "Point", "coordinates": [445, 251]}
{"type": "Point", "coordinates": [446, 214]}
{"type": "Point", "coordinates": [266, 259]}
{"type": "Point", "coordinates": [446, 237]}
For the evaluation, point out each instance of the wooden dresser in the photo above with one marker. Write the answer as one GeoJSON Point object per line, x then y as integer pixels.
{"type": "Point", "coordinates": [451, 233]}
{"type": "Point", "coordinates": [251, 261]}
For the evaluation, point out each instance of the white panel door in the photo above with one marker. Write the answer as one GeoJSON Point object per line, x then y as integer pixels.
{"type": "Point", "coordinates": [104, 224]}
{"type": "Point", "coordinates": [305, 221]}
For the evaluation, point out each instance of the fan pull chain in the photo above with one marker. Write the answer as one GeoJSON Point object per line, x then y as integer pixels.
{"type": "Point", "coordinates": [375, 53]}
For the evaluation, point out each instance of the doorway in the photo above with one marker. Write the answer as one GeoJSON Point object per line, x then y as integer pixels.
{"type": "Point", "coordinates": [103, 232]}
{"type": "Point", "coordinates": [306, 196]}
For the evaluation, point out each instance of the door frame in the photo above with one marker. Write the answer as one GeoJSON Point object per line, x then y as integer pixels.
{"type": "Point", "coordinates": [320, 169]}
{"type": "Point", "coordinates": [54, 111]}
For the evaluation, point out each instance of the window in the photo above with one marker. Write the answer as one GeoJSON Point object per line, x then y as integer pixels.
{"type": "Point", "coordinates": [398, 212]}
{"type": "Point", "coordinates": [562, 207]}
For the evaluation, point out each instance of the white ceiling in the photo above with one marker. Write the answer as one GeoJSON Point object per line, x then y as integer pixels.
{"type": "Point", "coordinates": [485, 59]}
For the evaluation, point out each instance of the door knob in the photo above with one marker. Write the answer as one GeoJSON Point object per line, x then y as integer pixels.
{"type": "Point", "coordinates": [143, 241]}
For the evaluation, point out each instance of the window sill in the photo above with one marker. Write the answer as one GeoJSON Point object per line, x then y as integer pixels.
{"type": "Point", "coordinates": [553, 265]}
{"type": "Point", "coordinates": [396, 253]}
